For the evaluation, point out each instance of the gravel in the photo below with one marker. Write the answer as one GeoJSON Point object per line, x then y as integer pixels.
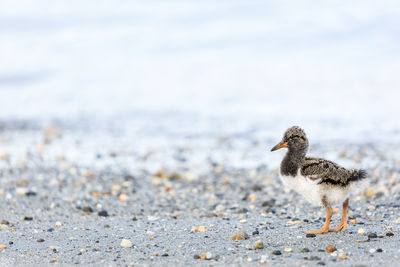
{"type": "Point", "coordinates": [110, 194]}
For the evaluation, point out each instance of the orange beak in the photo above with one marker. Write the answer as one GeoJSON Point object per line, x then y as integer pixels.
{"type": "Point", "coordinates": [280, 145]}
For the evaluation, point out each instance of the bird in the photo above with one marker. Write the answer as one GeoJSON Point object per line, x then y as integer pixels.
{"type": "Point", "coordinates": [320, 181]}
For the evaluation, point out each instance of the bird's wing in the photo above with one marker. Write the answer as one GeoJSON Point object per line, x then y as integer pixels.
{"type": "Point", "coordinates": [324, 170]}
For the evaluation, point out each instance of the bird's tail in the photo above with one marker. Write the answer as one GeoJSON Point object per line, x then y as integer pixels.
{"type": "Point", "coordinates": [358, 175]}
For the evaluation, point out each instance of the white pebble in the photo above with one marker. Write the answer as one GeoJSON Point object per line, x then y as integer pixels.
{"type": "Point", "coordinates": [125, 243]}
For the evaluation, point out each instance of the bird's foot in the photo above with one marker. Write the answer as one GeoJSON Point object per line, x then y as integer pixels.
{"type": "Point", "coordinates": [342, 227]}
{"type": "Point", "coordinates": [321, 231]}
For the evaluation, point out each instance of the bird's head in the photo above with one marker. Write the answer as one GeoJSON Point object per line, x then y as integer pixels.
{"type": "Point", "coordinates": [294, 139]}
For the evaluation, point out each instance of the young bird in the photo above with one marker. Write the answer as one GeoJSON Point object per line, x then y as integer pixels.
{"type": "Point", "coordinates": [320, 181]}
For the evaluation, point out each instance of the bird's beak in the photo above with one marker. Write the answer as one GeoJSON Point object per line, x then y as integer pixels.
{"type": "Point", "coordinates": [280, 145]}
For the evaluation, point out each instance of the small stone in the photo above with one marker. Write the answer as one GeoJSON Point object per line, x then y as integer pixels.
{"type": "Point", "coordinates": [3, 246]}
{"type": "Point", "coordinates": [354, 222]}
{"type": "Point", "coordinates": [219, 208]}
{"type": "Point", "coordinates": [174, 176]}
{"type": "Point", "coordinates": [343, 256]}
{"type": "Point", "coordinates": [30, 194]}
{"type": "Point", "coordinates": [4, 227]}
{"type": "Point", "coordinates": [310, 235]}
{"type": "Point", "coordinates": [361, 231]}
{"type": "Point", "coordinates": [305, 250]}
{"type": "Point", "coordinates": [249, 259]}
{"type": "Point", "coordinates": [293, 222]}
{"type": "Point", "coordinates": [54, 248]}
{"type": "Point", "coordinates": [103, 213]}
{"type": "Point", "coordinates": [330, 248]}
{"type": "Point", "coordinates": [198, 229]}
{"type": "Point", "coordinates": [8, 223]}
{"type": "Point", "coordinates": [40, 240]}
{"type": "Point", "coordinates": [268, 203]}
{"type": "Point", "coordinates": [240, 236]}
{"type": "Point", "coordinates": [21, 190]}
{"type": "Point", "coordinates": [258, 244]}
{"type": "Point", "coordinates": [288, 250]}
{"type": "Point", "coordinates": [206, 256]}
{"type": "Point", "coordinates": [27, 218]}
{"type": "Point", "coordinates": [389, 234]}
{"type": "Point", "coordinates": [252, 198]}
{"type": "Point", "coordinates": [123, 197]}
{"type": "Point", "coordinates": [58, 224]}
{"type": "Point", "coordinates": [87, 210]}
{"type": "Point", "coordinates": [276, 252]}
{"type": "Point", "coordinates": [372, 251]}
{"type": "Point", "coordinates": [243, 210]}
{"type": "Point", "coordinates": [379, 250]}
{"type": "Point", "coordinates": [372, 235]}
{"type": "Point", "coordinates": [125, 243]}
{"type": "Point", "coordinates": [256, 232]}
{"type": "Point", "coordinates": [371, 207]}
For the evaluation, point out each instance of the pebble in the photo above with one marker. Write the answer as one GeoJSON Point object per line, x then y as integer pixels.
{"type": "Point", "coordinates": [379, 250]}
{"type": "Point", "coordinates": [304, 250]}
{"type": "Point", "coordinates": [372, 250]}
{"type": "Point", "coordinates": [58, 224]}
{"type": "Point", "coordinates": [87, 210]}
{"type": "Point", "coordinates": [330, 248]}
{"type": "Point", "coordinates": [361, 231]}
{"type": "Point", "coordinates": [125, 243]}
{"type": "Point", "coordinates": [21, 190]}
{"type": "Point", "coordinates": [3, 246]}
{"type": "Point", "coordinates": [27, 218]}
{"type": "Point", "coordinates": [240, 236]}
{"type": "Point", "coordinates": [103, 213]}
{"type": "Point", "coordinates": [40, 240]}
{"type": "Point", "coordinates": [343, 256]}
{"type": "Point", "coordinates": [200, 228]}
{"type": "Point", "coordinates": [123, 197]}
{"type": "Point", "coordinates": [310, 235]}
{"type": "Point", "coordinates": [5, 222]}
{"type": "Point", "coordinates": [372, 235]}
{"type": "Point", "coordinates": [294, 222]}
{"type": "Point", "coordinates": [30, 194]}
{"type": "Point", "coordinates": [276, 252]}
{"type": "Point", "coordinates": [4, 227]}
{"type": "Point", "coordinates": [206, 256]}
{"type": "Point", "coordinates": [288, 250]}
{"type": "Point", "coordinates": [389, 234]}
{"type": "Point", "coordinates": [258, 244]}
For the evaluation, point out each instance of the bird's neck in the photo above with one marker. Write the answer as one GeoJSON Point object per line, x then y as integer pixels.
{"type": "Point", "coordinates": [292, 161]}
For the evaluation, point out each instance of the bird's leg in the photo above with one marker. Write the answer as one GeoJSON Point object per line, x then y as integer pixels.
{"type": "Point", "coordinates": [343, 222]}
{"type": "Point", "coordinates": [325, 228]}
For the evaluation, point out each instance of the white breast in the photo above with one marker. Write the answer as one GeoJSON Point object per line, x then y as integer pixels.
{"type": "Point", "coordinates": [315, 192]}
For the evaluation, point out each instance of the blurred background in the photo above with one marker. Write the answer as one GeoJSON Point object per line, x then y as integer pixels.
{"type": "Point", "coordinates": [204, 67]}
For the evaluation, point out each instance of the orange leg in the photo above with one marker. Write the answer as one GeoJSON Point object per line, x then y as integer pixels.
{"type": "Point", "coordinates": [343, 222]}
{"type": "Point", "coordinates": [325, 228]}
